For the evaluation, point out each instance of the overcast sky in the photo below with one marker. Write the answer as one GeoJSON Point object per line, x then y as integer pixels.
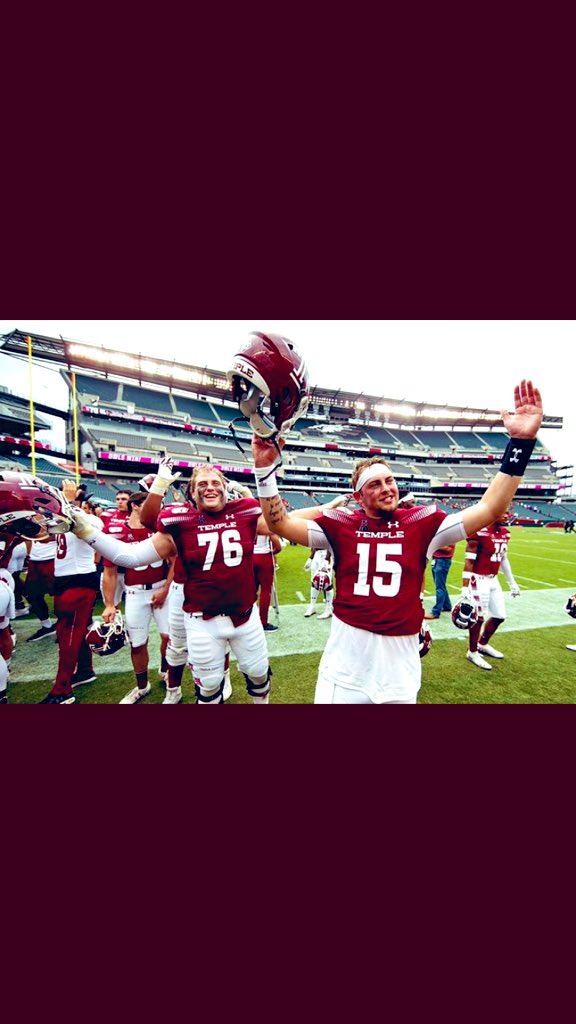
{"type": "Point", "coordinates": [459, 362]}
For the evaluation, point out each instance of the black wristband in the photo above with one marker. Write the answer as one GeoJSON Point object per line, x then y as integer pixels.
{"type": "Point", "coordinates": [517, 456]}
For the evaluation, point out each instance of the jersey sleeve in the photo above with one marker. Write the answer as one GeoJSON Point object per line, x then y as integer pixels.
{"type": "Point", "coordinates": [169, 518]}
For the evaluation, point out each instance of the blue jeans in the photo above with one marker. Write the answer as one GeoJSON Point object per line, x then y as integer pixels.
{"type": "Point", "coordinates": [440, 570]}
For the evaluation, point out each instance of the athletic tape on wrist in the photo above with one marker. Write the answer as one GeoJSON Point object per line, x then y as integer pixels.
{"type": "Point", "coordinates": [160, 486]}
{"type": "Point", "coordinates": [517, 456]}
{"type": "Point", "coordinates": [267, 487]}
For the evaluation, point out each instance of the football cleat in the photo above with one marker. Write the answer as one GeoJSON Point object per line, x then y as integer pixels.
{"type": "Point", "coordinates": [269, 371]}
{"type": "Point", "coordinates": [42, 633]}
{"type": "Point", "coordinates": [490, 652]}
{"type": "Point", "coordinates": [311, 611]}
{"type": "Point", "coordinates": [478, 660]}
{"type": "Point", "coordinates": [83, 678]}
{"type": "Point", "coordinates": [136, 695]}
{"type": "Point", "coordinates": [571, 647]}
{"type": "Point", "coordinates": [29, 507]}
{"type": "Point", "coordinates": [173, 696]}
{"type": "Point", "coordinates": [59, 698]}
{"type": "Point", "coordinates": [105, 638]}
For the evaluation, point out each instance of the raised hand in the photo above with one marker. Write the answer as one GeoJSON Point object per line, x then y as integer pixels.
{"type": "Point", "coordinates": [165, 477]}
{"type": "Point", "coordinates": [81, 524]}
{"type": "Point", "coordinates": [264, 452]}
{"type": "Point", "coordinates": [526, 419]}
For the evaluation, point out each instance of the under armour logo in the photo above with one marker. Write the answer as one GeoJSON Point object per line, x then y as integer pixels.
{"type": "Point", "coordinates": [228, 518]}
{"type": "Point", "coordinates": [515, 453]}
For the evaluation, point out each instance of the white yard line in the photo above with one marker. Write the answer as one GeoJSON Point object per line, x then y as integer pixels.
{"type": "Point", "coordinates": [544, 558]}
{"type": "Point", "coordinates": [300, 597]}
{"type": "Point", "coordinates": [541, 582]}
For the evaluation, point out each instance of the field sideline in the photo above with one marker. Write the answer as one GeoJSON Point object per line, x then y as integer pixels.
{"type": "Point", "coordinates": [537, 668]}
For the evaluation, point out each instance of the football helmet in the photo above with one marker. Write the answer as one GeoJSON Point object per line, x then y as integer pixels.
{"type": "Point", "coordinates": [106, 637]}
{"type": "Point", "coordinates": [28, 506]}
{"type": "Point", "coordinates": [322, 581]}
{"type": "Point", "coordinates": [269, 368]}
{"type": "Point", "coordinates": [464, 614]}
{"type": "Point", "coordinates": [424, 641]}
{"type": "Point", "coordinates": [571, 606]}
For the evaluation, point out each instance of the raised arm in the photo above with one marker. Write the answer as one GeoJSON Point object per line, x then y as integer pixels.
{"type": "Point", "coordinates": [522, 425]}
{"type": "Point", "coordinates": [158, 487]}
{"type": "Point", "coordinates": [131, 556]}
{"type": "Point", "coordinates": [277, 519]}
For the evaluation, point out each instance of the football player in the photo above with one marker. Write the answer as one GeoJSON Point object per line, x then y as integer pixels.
{"type": "Point", "coordinates": [146, 593]}
{"type": "Point", "coordinates": [76, 588]}
{"type": "Point", "coordinates": [265, 550]}
{"type": "Point", "coordinates": [215, 541]}
{"type": "Point", "coordinates": [7, 608]}
{"type": "Point", "coordinates": [114, 520]}
{"type": "Point", "coordinates": [380, 554]}
{"type": "Point", "coordinates": [29, 507]}
{"type": "Point", "coordinates": [321, 568]}
{"type": "Point", "coordinates": [156, 488]}
{"type": "Point", "coordinates": [486, 554]}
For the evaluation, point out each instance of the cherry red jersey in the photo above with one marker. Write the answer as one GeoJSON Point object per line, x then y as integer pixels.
{"type": "Point", "coordinates": [492, 546]}
{"type": "Point", "coordinates": [113, 520]}
{"type": "Point", "coordinates": [217, 552]}
{"type": "Point", "coordinates": [179, 571]}
{"type": "Point", "coordinates": [379, 566]}
{"type": "Point", "coordinates": [144, 574]}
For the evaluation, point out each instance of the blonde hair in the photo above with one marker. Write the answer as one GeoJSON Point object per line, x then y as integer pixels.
{"type": "Point", "coordinates": [366, 464]}
{"type": "Point", "coordinates": [202, 469]}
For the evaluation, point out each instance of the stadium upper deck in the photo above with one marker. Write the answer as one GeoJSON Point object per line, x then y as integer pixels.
{"type": "Point", "coordinates": [141, 410]}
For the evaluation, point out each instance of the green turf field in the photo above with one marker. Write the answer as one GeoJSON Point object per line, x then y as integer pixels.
{"type": "Point", "coordinates": [537, 668]}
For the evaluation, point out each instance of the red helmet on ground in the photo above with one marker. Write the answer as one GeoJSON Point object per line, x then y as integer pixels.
{"type": "Point", "coordinates": [269, 367]}
{"type": "Point", "coordinates": [28, 506]}
{"type": "Point", "coordinates": [107, 637]}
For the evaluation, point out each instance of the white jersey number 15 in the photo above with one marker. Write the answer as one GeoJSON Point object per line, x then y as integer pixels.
{"type": "Point", "coordinates": [383, 565]}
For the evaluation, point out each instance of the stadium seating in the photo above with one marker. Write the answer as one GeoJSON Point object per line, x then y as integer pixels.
{"type": "Point", "coordinates": [105, 390]}
{"type": "Point", "coordinates": [435, 441]}
{"type": "Point", "coordinates": [197, 411]}
{"type": "Point", "coordinates": [147, 401]}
